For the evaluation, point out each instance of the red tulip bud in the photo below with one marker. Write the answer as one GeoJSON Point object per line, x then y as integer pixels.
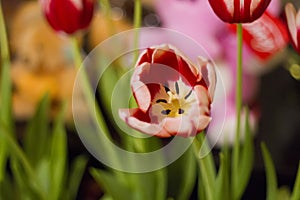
{"type": "Point", "coordinates": [239, 11]}
{"type": "Point", "coordinates": [68, 16]}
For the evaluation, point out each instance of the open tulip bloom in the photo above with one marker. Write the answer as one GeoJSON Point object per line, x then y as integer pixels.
{"type": "Point", "coordinates": [239, 11]}
{"type": "Point", "coordinates": [293, 22]}
{"type": "Point", "coordinates": [173, 95]}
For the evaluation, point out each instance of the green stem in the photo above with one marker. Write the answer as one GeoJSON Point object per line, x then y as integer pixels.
{"type": "Point", "coordinates": [137, 22]}
{"type": "Point", "coordinates": [86, 88]}
{"type": "Point", "coordinates": [94, 107]}
{"type": "Point", "coordinates": [236, 149]}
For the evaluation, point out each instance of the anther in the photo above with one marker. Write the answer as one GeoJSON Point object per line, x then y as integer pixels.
{"type": "Point", "coordinates": [189, 94]}
{"type": "Point", "coordinates": [166, 112]}
{"type": "Point", "coordinates": [176, 88]}
{"type": "Point", "coordinates": [161, 101]}
{"type": "Point", "coordinates": [180, 111]}
{"type": "Point", "coordinates": [166, 88]}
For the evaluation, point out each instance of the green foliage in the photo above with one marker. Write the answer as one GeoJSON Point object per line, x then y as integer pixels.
{"type": "Point", "coordinates": [216, 186]}
{"type": "Point", "coordinates": [43, 174]}
{"type": "Point", "coordinates": [270, 173]}
{"type": "Point", "coordinates": [5, 93]}
{"type": "Point", "coordinates": [273, 192]}
{"type": "Point", "coordinates": [296, 191]}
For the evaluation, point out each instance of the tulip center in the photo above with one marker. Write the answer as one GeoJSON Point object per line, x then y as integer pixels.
{"type": "Point", "coordinates": [172, 100]}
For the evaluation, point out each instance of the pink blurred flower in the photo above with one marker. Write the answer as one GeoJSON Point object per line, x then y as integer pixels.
{"type": "Point", "coordinates": [172, 94]}
{"type": "Point", "coordinates": [293, 23]}
{"type": "Point", "coordinates": [193, 18]}
{"type": "Point", "coordinates": [68, 16]}
{"type": "Point", "coordinates": [239, 11]}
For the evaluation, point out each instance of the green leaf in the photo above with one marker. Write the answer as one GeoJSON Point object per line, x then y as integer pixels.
{"type": "Point", "coordinates": [270, 173]}
{"type": "Point", "coordinates": [23, 188]}
{"type": "Point", "coordinates": [146, 185]}
{"type": "Point", "coordinates": [207, 167]}
{"type": "Point", "coordinates": [112, 185]}
{"type": "Point", "coordinates": [283, 193]}
{"type": "Point", "coordinates": [75, 176]}
{"type": "Point", "coordinates": [58, 155]}
{"type": "Point", "coordinates": [150, 185]}
{"type": "Point", "coordinates": [201, 189]}
{"type": "Point", "coordinates": [222, 181]}
{"type": "Point", "coordinates": [161, 189]}
{"type": "Point", "coordinates": [6, 188]}
{"type": "Point", "coordinates": [246, 160]}
{"type": "Point", "coordinates": [296, 191]}
{"type": "Point", "coordinates": [44, 176]}
{"type": "Point", "coordinates": [37, 130]}
{"type": "Point", "coordinates": [106, 197]}
{"type": "Point", "coordinates": [5, 93]}
{"type": "Point", "coordinates": [182, 176]}
{"type": "Point", "coordinates": [18, 153]}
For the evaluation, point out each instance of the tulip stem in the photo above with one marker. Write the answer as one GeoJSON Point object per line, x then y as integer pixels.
{"type": "Point", "coordinates": [137, 24]}
{"type": "Point", "coordinates": [87, 88]}
{"type": "Point", "coordinates": [236, 149]}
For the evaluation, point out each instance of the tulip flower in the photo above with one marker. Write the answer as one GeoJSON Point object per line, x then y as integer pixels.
{"type": "Point", "coordinates": [173, 95]}
{"type": "Point", "coordinates": [239, 11]}
{"type": "Point", "coordinates": [293, 23]}
{"type": "Point", "coordinates": [68, 16]}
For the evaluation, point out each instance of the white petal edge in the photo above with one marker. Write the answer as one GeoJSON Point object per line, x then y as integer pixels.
{"type": "Point", "coordinates": [290, 13]}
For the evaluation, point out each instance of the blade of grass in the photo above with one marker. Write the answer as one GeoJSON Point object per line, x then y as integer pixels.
{"type": "Point", "coordinates": [7, 190]}
{"type": "Point", "coordinates": [161, 189]}
{"type": "Point", "coordinates": [296, 191]}
{"type": "Point", "coordinates": [58, 155]}
{"type": "Point", "coordinates": [270, 173]}
{"type": "Point", "coordinates": [76, 173]}
{"type": "Point", "coordinates": [37, 130]}
{"type": "Point", "coordinates": [20, 155]}
{"type": "Point", "coordinates": [201, 188]}
{"type": "Point", "coordinates": [183, 174]}
{"type": "Point", "coordinates": [112, 185]}
{"type": "Point", "coordinates": [42, 171]}
{"type": "Point", "coordinates": [247, 159]}
{"type": "Point", "coordinates": [189, 176]}
{"type": "Point", "coordinates": [21, 181]}
{"type": "Point", "coordinates": [207, 169]}
{"type": "Point", "coordinates": [5, 92]}
{"type": "Point", "coordinates": [222, 181]}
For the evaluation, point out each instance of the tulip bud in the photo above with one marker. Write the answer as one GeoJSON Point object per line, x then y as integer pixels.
{"type": "Point", "coordinates": [68, 16]}
{"type": "Point", "coordinates": [239, 11]}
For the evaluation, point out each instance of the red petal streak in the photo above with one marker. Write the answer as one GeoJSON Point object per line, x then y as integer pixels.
{"type": "Point", "coordinates": [146, 56]}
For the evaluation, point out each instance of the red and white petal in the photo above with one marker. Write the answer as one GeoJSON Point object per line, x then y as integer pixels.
{"type": "Point", "coordinates": [140, 90]}
{"type": "Point", "coordinates": [290, 13]}
{"type": "Point", "coordinates": [146, 56]}
{"type": "Point", "coordinates": [139, 120]}
{"type": "Point", "coordinates": [200, 116]}
{"type": "Point", "coordinates": [239, 11]}
{"type": "Point", "coordinates": [171, 57]}
{"type": "Point", "coordinates": [202, 96]}
{"type": "Point", "coordinates": [208, 74]}
{"type": "Point", "coordinates": [179, 126]}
